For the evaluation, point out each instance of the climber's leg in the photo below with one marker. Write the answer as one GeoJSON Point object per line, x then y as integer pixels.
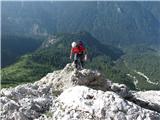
{"type": "Point", "coordinates": [76, 60]}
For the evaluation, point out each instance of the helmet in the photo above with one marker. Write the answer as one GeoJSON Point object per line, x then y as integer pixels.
{"type": "Point", "coordinates": [74, 44]}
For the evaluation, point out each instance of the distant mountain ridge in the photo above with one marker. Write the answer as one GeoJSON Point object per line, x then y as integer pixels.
{"type": "Point", "coordinates": [116, 23]}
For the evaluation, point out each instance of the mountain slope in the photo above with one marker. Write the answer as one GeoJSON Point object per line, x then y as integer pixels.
{"type": "Point", "coordinates": [15, 46]}
{"type": "Point", "coordinates": [116, 23]}
{"type": "Point", "coordinates": [132, 26]}
{"type": "Point", "coordinates": [138, 71]}
{"type": "Point", "coordinates": [54, 55]}
{"type": "Point", "coordinates": [153, 7]}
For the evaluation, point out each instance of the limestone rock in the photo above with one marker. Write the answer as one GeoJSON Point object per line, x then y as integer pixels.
{"type": "Point", "coordinates": [69, 77]}
{"type": "Point", "coordinates": [25, 102]}
{"type": "Point", "coordinates": [150, 99]}
{"type": "Point", "coordinates": [84, 103]}
{"type": "Point", "coordinates": [71, 94]}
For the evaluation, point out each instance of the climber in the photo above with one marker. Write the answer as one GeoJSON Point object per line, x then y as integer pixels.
{"type": "Point", "coordinates": [74, 51]}
{"type": "Point", "coordinates": [79, 52]}
{"type": "Point", "coordinates": [82, 53]}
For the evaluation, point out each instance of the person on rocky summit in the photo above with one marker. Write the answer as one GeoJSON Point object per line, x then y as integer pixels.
{"type": "Point", "coordinates": [80, 54]}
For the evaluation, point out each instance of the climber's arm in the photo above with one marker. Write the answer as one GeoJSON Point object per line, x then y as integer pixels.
{"type": "Point", "coordinates": [71, 54]}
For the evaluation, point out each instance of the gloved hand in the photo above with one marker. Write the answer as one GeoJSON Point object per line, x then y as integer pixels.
{"type": "Point", "coordinates": [71, 57]}
{"type": "Point", "coordinates": [85, 58]}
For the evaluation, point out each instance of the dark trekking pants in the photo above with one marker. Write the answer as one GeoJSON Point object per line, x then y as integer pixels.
{"type": "Point", "coordinates": [79, 60]}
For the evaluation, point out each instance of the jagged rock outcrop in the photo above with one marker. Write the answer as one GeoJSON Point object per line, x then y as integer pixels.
{"type": "Point", "coordinates": [25, 102]}
{"type": "Point", "coordinates": [69, 76]}
{"type": "Point", "coordinates": [87, 104]}
{"type": "Point", "coordinates": [150, 96]}
{"type": "Point", "coordinates": [148, 99]}
{"type": "Point", "coordinates": [75, 94]}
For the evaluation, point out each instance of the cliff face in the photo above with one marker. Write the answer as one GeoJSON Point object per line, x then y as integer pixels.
{"type": "Point", "coordinates": [72, 94]}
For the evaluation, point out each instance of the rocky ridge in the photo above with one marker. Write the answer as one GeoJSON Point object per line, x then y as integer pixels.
{"type": "Point", "coordinates": [71, 94]}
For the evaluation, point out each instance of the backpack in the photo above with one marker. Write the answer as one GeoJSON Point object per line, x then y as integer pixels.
{"type": "Point", "coordinates": [81, 48]}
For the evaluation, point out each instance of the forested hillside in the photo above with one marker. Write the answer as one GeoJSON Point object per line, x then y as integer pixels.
{"type": "Point", "coordinates": [54, 54]}
{"type": "Point", "coordinates": [112, 62]}
{"type": "Point", "coordinates": [14, 46]}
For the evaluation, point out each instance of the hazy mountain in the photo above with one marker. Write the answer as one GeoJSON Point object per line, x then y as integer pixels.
{"type": "Point", "coordinates": [153, 7]}
{"type": "Point", "coordinates": [118, 23]}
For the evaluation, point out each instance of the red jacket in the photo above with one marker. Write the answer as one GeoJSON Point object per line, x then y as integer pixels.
{"type": "Point", "coordinates": [78, 49]}
{"type": "Point", "coordinates": [75, 50]}
{"type": "Point", "coordinates": [81, 48]}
